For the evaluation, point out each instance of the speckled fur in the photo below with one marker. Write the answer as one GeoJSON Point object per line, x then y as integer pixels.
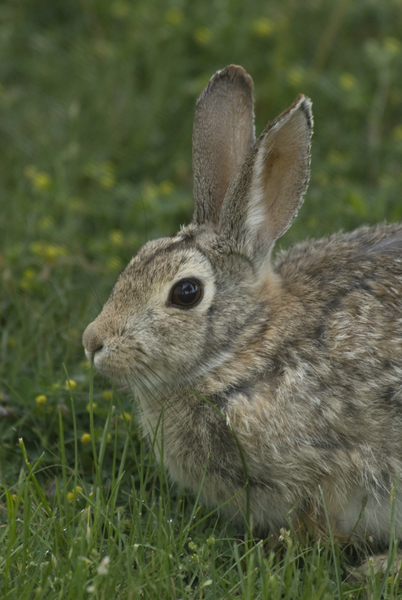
{"type": "Point", "coordinates": [303, 357]}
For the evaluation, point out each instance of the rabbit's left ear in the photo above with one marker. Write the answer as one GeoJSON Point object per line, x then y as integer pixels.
{"type": "Point", "coordinates": [223, 133]}
{"type": "Point", "coordinates": [266, 193]}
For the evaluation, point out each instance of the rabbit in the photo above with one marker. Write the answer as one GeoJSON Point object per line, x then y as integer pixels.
{"type": "Point", "coordinates": [276, 384]}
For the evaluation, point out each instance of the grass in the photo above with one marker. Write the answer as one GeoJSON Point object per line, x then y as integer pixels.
{"type": "Point", "coordinates": [126, 536]}
{"type": "Point", "coordinates": [97, 101]}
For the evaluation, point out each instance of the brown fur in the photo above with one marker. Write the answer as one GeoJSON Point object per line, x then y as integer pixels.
{"type": "Point", "coordinates": [298, 362]}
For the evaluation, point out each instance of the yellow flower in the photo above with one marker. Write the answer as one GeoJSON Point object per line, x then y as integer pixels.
{"type": "Point", "coordinates": [166, 188]}
{"type": "Point", "coordinates": [347, 81]}
{"type": "Point", "coordinates": [40, 180]}
{"type": "Point", "coordinates": [397, 132]}
{"type": "Point", "coordinates": [45, 223]}
{"type": "Point", "coordinates": [26, 282]}
{"type": "Point", "coordinates": [392, 45]}
{"type": "Point", "coordinates": [173, 16]}
{"type": "Point", "coordinates": [107, 394]}
{"type": "Point", "coordinates": [12, 342]}
{"type": "Point", "coordinates": [203, 36]}
{"type": "Point", "coordinates": [36, 248]}
{"type": "Point", "coordinates": [120, 10]}
{"type": "Point", "coordinates": [150, 190]}
{"type": "Point", "coordinates": [107, 181]}
{"type": "Point", "coordinates": [71, 496]}
{"type": "Point", "coordinates": [53, 251]}
{"type": "Point", "coordinates": [70, 384]}
{"type": "Point", "coordinates": [108, 437]}
{"type": "Point", "coordinates": [27, 278]}
{"type": "Point", "coordinates": [77, 204]}
{"type": "Point", "coordinates": [40, 400]}
{"type": "Point", "coordinates": [295, 76]}
{"type": "Point", "coordinates": [115, 263]}
{"type": "Point", "coordinates": [107, 177]}
{"type": "Point", "coordinates": [88, 406]}
{"type": "Point", "coordinates": [263, 27]}
{"type": "Point", "coordinates": [127, 416]}
{"type": "Point", "coordinates": [103, 172]}
{"type": "Point", "coordinates": [47, 251]}
{"type": "Point", "coordinates": [85, 438]}
{"type": "Point", "coordinates": [335, 157]}
{"type": "Point", "coordinates": [116, 237]}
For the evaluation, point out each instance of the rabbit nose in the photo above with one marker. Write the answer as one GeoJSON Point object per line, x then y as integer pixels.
{"type": "Point", "coordinates": [92, 341]}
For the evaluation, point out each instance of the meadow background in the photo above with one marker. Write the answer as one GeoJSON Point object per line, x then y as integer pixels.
{"type": "Point", "coordinates": [97, 101]}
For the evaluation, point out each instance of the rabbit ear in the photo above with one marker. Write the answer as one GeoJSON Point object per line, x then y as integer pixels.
{"type": "Point", "coordinates": [268, 190]}
{"type": "Point", "coordinates": [223, 133]}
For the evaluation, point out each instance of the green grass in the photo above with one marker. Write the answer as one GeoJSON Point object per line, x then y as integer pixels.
{"type": "Point", "coordinates": [125, 535]}
{"type": "Point", "coordinates": [96, 102]}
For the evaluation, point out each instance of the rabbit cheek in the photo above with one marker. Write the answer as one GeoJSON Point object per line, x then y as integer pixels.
{"type": "Point", "coordinates": [176, 342]}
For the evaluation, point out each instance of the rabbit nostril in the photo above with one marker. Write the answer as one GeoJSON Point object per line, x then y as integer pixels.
{"type": "Point", "coordinates": [91, 340]}
{"type": "Point", "coordinates": [91, 352]}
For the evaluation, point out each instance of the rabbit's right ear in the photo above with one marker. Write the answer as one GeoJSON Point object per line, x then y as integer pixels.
{"type": "Point", "coordinates": [267, 191]}
{"type": "Point", "coordinates": [223, 133]}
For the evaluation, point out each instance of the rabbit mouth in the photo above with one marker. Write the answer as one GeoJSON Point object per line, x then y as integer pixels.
{"type": "Point", "coordinates": [128, 364]}
{"type": "Point", "coordinates": [113, 360]}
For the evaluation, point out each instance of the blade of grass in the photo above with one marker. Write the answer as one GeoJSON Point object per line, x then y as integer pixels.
{"type": "Point", "coordinates": [335, 555]}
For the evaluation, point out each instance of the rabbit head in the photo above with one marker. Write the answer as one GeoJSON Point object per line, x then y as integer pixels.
{"type": "Point", "coordinates": [175, 309]}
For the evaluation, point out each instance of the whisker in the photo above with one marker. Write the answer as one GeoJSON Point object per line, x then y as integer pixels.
{"type": "Point", "coordinates": [154, 395]}
{"type": "Point", "coordinates": [168, 403]}
{"type": "Point", "coordinates": [163, 399]}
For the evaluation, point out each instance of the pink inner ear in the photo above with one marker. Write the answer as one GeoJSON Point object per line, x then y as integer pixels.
{"type": "Point", "coordinates": [281, 173]}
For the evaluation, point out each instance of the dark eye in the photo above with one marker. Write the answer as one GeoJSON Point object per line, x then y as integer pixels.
{"type": "Point", "coordinates": [186, 293]}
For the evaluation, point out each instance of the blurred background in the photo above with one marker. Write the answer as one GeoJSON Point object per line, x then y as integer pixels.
{"type": "Point", "coordinates": [97, 101]}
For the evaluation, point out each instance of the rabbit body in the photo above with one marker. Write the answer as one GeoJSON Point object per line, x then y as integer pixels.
{"type": "Point", "coordinates": [285, 376]}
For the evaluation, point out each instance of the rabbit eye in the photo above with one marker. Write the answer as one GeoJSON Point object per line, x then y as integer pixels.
{"type": "Point", "coordinates": [186, 293]}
